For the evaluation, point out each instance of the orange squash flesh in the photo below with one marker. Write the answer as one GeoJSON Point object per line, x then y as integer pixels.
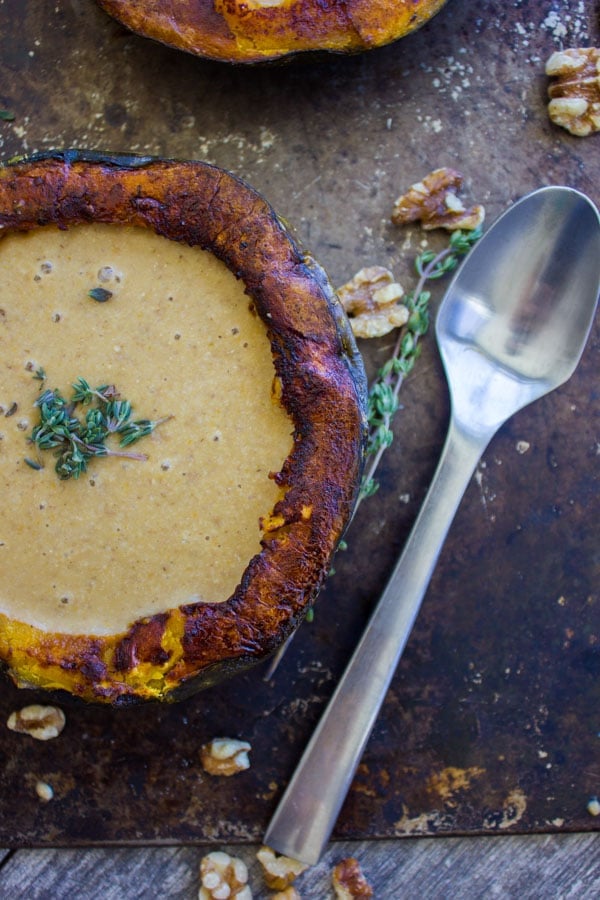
{"type": "Point", "coordinates": [169, 654]}
{"type": "Point", "coordinates": [249, 31]}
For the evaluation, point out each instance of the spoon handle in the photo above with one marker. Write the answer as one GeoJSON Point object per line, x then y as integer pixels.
{"type": "Point", "coordinates": [304, 819]}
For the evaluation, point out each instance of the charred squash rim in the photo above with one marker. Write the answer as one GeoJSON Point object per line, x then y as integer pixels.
{"type": "Point", "coordinates": [323, 389]}
{"type": "Point", "coordinates": [250, 33]}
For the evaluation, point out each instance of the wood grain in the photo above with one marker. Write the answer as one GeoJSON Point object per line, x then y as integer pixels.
{"type": "Point", "coordinates": [525, 867]}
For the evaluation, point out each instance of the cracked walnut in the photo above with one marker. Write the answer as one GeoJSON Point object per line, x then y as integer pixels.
{"type": "Point", "coordinates": [371, 302]}
{"type": "Point", "coordinates": [279, 871]}
{"type": "Point", "coordinates": [223, 877]}
{"type": "Point", "coordinates": [225, 756]}
{"type": "Point", "coordinates": [575, 92]}
{"type": "Point", "coordinates": [349, 882]}
{"type": "Point", "coordinates": [434, 202]}
{"type": "Point", "coordinates": [40, 722]}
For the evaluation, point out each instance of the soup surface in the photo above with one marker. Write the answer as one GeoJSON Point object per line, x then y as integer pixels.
{"type": "Point", "coordinates": [177, 337]}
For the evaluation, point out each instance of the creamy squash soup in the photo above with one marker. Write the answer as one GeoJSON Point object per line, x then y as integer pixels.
{"type": "Point", "coordinates": [165, 520]}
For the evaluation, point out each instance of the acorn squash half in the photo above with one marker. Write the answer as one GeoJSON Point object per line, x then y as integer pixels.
{"type": "Point", "coordinates": [320, 387]}
{"type": "Point", "coordinates": [247, 31]}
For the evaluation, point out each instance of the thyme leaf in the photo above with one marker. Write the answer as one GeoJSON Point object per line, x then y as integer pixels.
{"type": "Point", "coordinates": [100, 294]}
{"type": "Point", "coordinates": [33, 463]}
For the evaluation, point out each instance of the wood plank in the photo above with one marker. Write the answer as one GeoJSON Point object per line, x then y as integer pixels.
{"type": "Point", "coordinates": [532, 867]}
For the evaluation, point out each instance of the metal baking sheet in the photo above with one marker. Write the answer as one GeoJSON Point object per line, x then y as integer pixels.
{"type": "Point", "coordinates": [491, 721]}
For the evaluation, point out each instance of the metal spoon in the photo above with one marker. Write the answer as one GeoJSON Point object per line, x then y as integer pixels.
{"type": "Point", "coordinates": [511, 328]}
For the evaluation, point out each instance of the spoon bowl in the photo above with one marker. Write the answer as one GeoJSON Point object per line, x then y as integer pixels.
{"type": "Point", "coordinates": [512, 327]}
{"type": "Point", "coordinates": [516, 316]}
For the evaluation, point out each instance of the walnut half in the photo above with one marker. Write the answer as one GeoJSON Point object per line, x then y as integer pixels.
{"type": "Point", "coordinates": [371, 302]}
{"type": "Point", "coordinates": [349, 882]}
{"type": "Point", "coordinates": [40, 722]}
{"type": "Point", "coordinates": [225, 756]}
{"type": "Point", "coordinates": [223, 877]}
{"type": "Point", "coordinates": [434, 202]}
{"type": "Point", "coordinates": [575, 92]}
{"type": "Point", "coordinates": [279, 871]}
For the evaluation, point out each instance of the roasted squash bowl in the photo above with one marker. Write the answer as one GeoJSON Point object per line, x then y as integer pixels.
{"type": "Point", "coordinates": [313, 386]}
{"type": "Point", "coordinates": [250, 31]}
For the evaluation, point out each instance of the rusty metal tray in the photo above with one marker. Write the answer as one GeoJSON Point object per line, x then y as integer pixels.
{"type": "Point", "coordinates": [490, 724]}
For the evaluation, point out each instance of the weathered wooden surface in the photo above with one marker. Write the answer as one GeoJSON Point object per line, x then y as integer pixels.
{"type": "Point", "coordinates": [535, 867]}
{"type": "Point", "coordinates": [489, 723]}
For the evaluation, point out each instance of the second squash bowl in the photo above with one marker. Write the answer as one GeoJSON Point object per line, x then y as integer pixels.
{"type": "Point", "coordinates": [252, 31]}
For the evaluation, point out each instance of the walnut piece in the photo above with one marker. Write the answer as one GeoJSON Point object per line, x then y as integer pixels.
{"type": "Point", "coordinates": [371, 302]}
{"type": "Point", "coordinates": [434, 202]}
{"type": "Point", "coordinates": [223, 877]}
{"type": "Point", "coordinates": [593, 806]}
{"type": "Point", "coordinates": [40, 722]}
{"type": "Point", "coordinates": [44, 791]}
{"type": "Point", "coordinates": [348, 880]}
{"type": "Point", "coordinates": [279, 871]}
{"type": "Point", "coordinates": [575, 92]}
{"type": "Point", "coordinates": [225, 756]}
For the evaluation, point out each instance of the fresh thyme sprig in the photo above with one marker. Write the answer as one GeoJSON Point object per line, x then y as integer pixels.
{"type": "Point", "coordinates": [383, 395]}
{"type": "Point", "coordinates": [76, 440]}
{"type": "Point", "coordinates": [383, 400]}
